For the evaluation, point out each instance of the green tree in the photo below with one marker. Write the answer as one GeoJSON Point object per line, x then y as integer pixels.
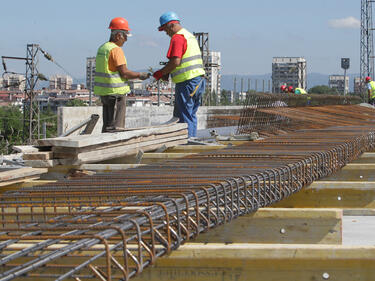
{"type": "Point", "coordinates": [11, 127]}
{"type": "Point", "coordinates": [225, 97]}
{"type": "Point", "coordinates": [323, 90]}
{"type": "Point", "coordinates": [50, 118]}
{"type": "Point", "coordinates": [76, 102]}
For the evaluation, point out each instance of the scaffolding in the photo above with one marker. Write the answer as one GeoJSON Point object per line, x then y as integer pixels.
{"type": "Point", "coordinates": [367, 43]}
{"type": "Point", "coordinates": [30, 106]}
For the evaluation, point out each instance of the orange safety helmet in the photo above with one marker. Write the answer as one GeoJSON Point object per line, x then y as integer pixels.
{"type": "Point", "coordinates": [283, 87]}
{"type": "Point", "coordinates": [368, 79]}
{"type": "Point", "coordinates": [119, 23]}
{"type": "Point", "coordinates": [290, 89]}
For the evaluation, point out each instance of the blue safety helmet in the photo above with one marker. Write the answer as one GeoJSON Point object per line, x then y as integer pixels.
{"type": "Point", "coordinates": [167, 17]}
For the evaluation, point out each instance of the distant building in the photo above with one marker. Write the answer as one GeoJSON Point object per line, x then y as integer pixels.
{"type": "Point", "coordinates": [339, 83]}
{"type": "Point", "coordinates": [60, 82]}
{"type": "Point", "coordinates": [135, 84]}
{"type": "Point", "coordinates": [13, 82]}
{"type": "Point", "coordinates": [357, 85]}
{"type": "Point", "coordinates": [289, 71]}
{"type": "Point", "coordinates": [213, 73]}
{"type": "Point", "coordinates": [90, 73]}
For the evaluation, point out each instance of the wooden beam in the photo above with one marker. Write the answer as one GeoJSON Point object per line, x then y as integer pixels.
{"type": "Point", "coordinates": [194, 148]}
{"type": "Point", "coordinates": [108, 167]}
{"type": "Point", "coordinates": [89, 140]}
{"type": "Point", "coordinates": [262, 262]}
{"type": "Point", "coordinates": [41, 155]}
{"type": "Point", "coordinates": [165, 155]}
{"type": "Point", "coordinates": [20, 173]}
{"type": "Point", "coordinates": [332, 194]}
{"type": "Point", "coordinates": [279, 225]}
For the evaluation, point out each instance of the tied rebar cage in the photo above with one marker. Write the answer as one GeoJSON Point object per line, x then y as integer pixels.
{"type": "Point", "coordinates": [110, 226]}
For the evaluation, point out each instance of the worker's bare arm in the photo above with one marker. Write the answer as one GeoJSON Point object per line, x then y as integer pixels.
{"type": "Point", "coordinates": [171, 65]}
{"type": "Point", "coordinates": [127, 73]}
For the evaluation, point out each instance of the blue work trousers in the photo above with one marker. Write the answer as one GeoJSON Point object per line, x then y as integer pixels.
{"type": "Point", "coordinates": [187, 101]}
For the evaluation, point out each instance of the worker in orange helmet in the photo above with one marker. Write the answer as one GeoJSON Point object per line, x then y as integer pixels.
{"type": "Point", "coordinates": [112, 75]}
{"type": "Point", "coordinates": [370, 90]}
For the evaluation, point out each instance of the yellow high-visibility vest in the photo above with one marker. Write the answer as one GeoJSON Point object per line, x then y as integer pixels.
{"type": "Point", "coordinates": [191, 62]}
{"type": "Point", "coordinates": [372, 84]}
{"type": "Point", "coordinates": [108, 82]}
{"type": "Point", "coordinates": [300, 91]}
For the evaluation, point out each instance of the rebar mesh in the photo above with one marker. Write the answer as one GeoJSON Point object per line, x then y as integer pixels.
{"type": "Point", "coordinates": [110, 226]}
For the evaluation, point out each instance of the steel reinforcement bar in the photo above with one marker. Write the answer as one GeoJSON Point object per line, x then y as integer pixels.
{"type": "Point", "coordinates": [110, 226]}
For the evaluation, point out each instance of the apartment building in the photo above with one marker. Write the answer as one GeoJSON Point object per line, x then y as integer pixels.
{"type": "Point", "coordinates": [13, 82]}
{"type": "Point", "coordinates": [339, 82]}
{"type": "Point", "coordinates": [90, 73]}
{"type": "Point", "coordinates": [60, 82]}
{"type": "Point", "coordinates": [289, 71]}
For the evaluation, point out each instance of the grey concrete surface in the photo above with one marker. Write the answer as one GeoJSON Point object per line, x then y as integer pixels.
{"type": "Point", "coordinates": [69, 117]}
{"type": "Point", "coordinates": [358, 230]}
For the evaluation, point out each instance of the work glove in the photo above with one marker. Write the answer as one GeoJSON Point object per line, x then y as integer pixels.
{"type": "Point", "coordinates": [144, 75]}
{"type": "Point", "coordinates": [157, 74]}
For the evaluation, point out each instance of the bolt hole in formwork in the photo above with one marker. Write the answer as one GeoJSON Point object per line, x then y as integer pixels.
{"type": "Point", "coordinates": [282, 231]}
{"type": "Point", "coordinates": [339, 198]}
{"type": "Point", "coordinates": [325, 276]}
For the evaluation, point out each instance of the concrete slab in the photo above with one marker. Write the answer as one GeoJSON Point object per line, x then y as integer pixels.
{"type": "Point", "coordinates": [279, 225]}
{"type": "Point", "coordinates": [358, 230]}
{"type": "Point", "coordinates": [261, 262]}
{"type": "Point", "coordinates": [333, 194]}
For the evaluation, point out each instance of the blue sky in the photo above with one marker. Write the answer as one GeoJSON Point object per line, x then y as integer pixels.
{"type": "Point", "coordinates": [248, 33]}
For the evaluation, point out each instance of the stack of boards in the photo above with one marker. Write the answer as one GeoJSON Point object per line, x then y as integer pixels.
{"type": "Point", "coordinates": [81, 149]}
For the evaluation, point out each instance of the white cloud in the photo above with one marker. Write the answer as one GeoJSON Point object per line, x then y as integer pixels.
{"type": "Point", "coordinates": [349, 22]}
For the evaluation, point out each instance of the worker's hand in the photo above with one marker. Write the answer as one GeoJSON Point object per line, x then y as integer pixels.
{"type": "Point", "coordinates": [165, 77]}
{"type": "Point", "coordinates": [144, 75]}
{"type": "Point", "coordinates": [157, 75]}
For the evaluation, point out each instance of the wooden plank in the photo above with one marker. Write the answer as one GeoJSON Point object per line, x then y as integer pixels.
{"type": "Point", "coordinates": [17, 184]}
{"type": "Point", "coordinates": [88, 140]}
{"type": "Point", "coordinates": [20, 173]}
{"type": "Point", "coordinates": [279, 225]}
{"type": "Point", "coordinates": [42, 163]}
{"type": "Point", "coordinates": [40, 155]}
{"type": "Point", "coordinates": [111, 153]}
{"type": "Point", "coordinates": [109, 167]}
{"type": "Point", "coordinates": [264, 262]}
{"type": "Point", "coordinates": [25, 148]}
{"type": "Point", "coordinates": [194, 148]}
{"type": "Point", "coordinates": [332, 194]}
{"type": "Point", "coordinates": [164, 155]}
{"type": "Point", "coordinates": [68, 152]}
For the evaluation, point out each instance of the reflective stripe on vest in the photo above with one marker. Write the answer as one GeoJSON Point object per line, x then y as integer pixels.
{"type": "Point", "coordinates": [108, 82]}
{"type": "Point", "coordinates": [191, 65]}
{"type": "Point", "coordinates": [372, 84]}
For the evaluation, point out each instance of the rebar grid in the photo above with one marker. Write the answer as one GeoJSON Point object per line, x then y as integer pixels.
{"type": "Point", "coordinates": [110, 226]}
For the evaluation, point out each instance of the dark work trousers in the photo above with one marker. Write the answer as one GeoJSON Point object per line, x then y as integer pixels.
{"type": "Point", "coordinates": [114, 109]}
{"type": "Point", "coordinates": [188, 95]}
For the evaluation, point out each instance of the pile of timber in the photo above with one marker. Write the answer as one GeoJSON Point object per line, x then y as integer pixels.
{"type": "Point", "coordinates": [82, 149]}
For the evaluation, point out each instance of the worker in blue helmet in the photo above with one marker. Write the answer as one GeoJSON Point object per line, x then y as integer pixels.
{"type": "Point", "coordinates": [185, 66]}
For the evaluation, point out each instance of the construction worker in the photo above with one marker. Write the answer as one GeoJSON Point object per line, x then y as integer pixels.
{"type": "Point", "coordinates": [283, 89]}
{"type": "Point", "coordinates": [370, 90]}
{"type": "Point", "coordinates": [185, 66]}
{"type": "Point", "coordinates": [112, 74]}
{"type": "Point", "coordinates": [290, 89]}
{"type": "Point", "coordinates": [300, 91]}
